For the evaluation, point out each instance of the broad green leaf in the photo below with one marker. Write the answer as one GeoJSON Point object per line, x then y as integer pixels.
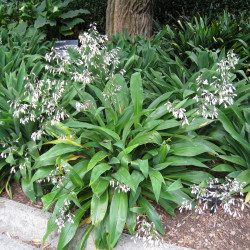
{"type": "Point", "coordinates": [230, 129]}
{"type": "Point", "coordinates": [137, 210]}
{"type": "Point", "coordinates": [156, 180]}
{"type": "Point", "coordinates": [234, 159]}
{"type": "Point", "coordinates": [20, 78]}
{"type": "Point", "coordinates": [104, 131]}
{"type": "Point", "coordinates": [244, 176]}
{"type": "Point", "coordinates": [223, 168]}
{"type": "Point", "coordinates": [123, 176]}
{"type": "Point", "coordinates": [99, 207]}
{"type": "Point", "coordinates": [99, 156]}
{"type": "Point", "coordinates": [193, 176]}
{"type": "Point", "coordinates": [122, 95]}
{"type": "Point", "coordinates": [40, 22]}
{"type": "Point", "coordinates": [81, 243]}
{"type": "Point", "coordinates": [68, 232]}
{"type": "Point", "coordinates": [180, 161]}
{"type": "Point", "coordinates": [198, 123]}
{"type": "Point", "coordinates": [73, 13]}
{"type": "Point", "coordinates": [143, 165]}
{"type": "Point", "coordinates": [137, 178]}
{"type": "Point", "coordinates": [117, 217]}
{"type": "Point", "coordinates": [28, 189]}
{"type": "Point", "coordinates": [151, 213]}
{"type": "Point", "coordinates": [131, 222]}
{"type": "Point", "coordinates": [190, 148]}
{"type": "Point", "coordinates": [42, 173]}
{"type": "Point", "coordinates": [157, 113]}
{"type": "Point", "coordinates": [100, 234]}
{"type": "Point", "coordinates": [57, 150]}
{"type": "Point", "coordinates": [168, 205]}
{"type": "Point", "coordinates": [163, 151]}
{"type": "Point", "coordinates": [175, 186]}
{"type": "Point", "coordinates": [63, 141]}
{"type": "Point", "coordinates": [98, 171]}
{"type": "Point", "coordinates": [73, 175]}
{"type": "Point", "coordinates": [136, 94]}
{"type": "Point", "coordinates": [144, 138]}
{"type": "Point", "coordinates": [100, 186]}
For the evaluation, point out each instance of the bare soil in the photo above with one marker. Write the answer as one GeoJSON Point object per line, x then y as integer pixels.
{"type": "Point", "coordinates": [189, 229]}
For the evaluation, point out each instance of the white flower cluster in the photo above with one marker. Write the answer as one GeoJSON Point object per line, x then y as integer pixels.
{"type": "Point", "coordinates": [147, 233]}
{"type": "Point", "coordinates": [8, 146]}
{"type": "Point", "coordinates": [220, 91]}
{"type": "Point", "coordinates": [177, 113]}
{"type": "Point", "coordinates": [110, 92]}
{"type": "Point", "coordinates": [119, 186]}
{"type": "Point", "coordinates": [83, 106]}
{"type": "Point", "coordinates": [43, 98]}
{"type": "Point", "coordinates": [56, 176]}
{"type": "Point", "coordinates": [215, 195]}
{"type": "Point", "coordinates": [93, 60]}
{"type": "Point", "coordinates": [64, 215]}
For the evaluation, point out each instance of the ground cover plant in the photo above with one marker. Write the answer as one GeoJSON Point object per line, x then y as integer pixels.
{"type": "Point", "coordinates": [114, 125]}
{"type": "Point", "coordinates": [21, 50]}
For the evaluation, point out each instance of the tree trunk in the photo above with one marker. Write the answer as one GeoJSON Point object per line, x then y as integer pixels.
{"type": "Point", "coordinates": [135, 16]}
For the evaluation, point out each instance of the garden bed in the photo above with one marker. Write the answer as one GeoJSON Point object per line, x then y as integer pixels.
{"type": "Point", "coordinates": [189, 229]}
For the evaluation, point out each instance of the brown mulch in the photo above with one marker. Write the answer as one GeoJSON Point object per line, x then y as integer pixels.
{"type": "Point", "coordinates": [189, 229]}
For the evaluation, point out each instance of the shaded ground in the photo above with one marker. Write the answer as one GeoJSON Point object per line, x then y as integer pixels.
{"type": "Point", "coordinates": [189, 229]}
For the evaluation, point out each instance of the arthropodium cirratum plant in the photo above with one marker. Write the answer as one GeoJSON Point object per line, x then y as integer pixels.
{"type": "Point", "coordinates": [21, 51]}
{"type": "Point", "coordinates": [115, 149]}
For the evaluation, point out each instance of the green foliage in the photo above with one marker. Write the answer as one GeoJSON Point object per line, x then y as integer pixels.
{"type": "Point", "coordinates": [52, 17]}
{"type": "Point", "coordinates": [107, 128]}
{"type": "Point", "coordinates": [21, 54]}
{"type": "Point", "coordinates": [224, 31]}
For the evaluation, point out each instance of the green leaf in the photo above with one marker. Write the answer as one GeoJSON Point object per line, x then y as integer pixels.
{"type": "Point", "coordinates": [57, 150]}
{"type": "Point", "coordinates": [81, 243]}
{"type": "Point", "coordinates": [42, 173]}
{"type": "Point", "coordinates": [193, 176]}
{"type": "Point", "coordinates": [99, 156]}
{"type": "Point", "coordinates": [28, 189]}
{"type": "Point", "coordinates": [223, 168]}
{"type": "Point", "coordinates": [144, 138]}
{"type": "Point", "coordinates": [151, 213]}
{"type": "Point", "coordinates": [230, 129]}
{"type": "Point", "coordinates": [40, 22]}
{"type": "Point", "coordinates": [62, 141]}
{"type": "Point", "coordinates": [73, 175]}
{"type": "Point", "coordinates": [175, 186]}
{"type": "Point", "coordinates": [234, 159]}
{"type": "Point", "coordinates": [137, 210]}
{"type": "Point", "coordinates": [136, 94]}
{"type": "Point", "coordinates": [156, 180]}
{"type": "Point", "coordinates": [99, 207]}
{"type": "Point", "coordinates": [70, 24]}
{"type": "Point", "coordinates": [180, 161]}
{"type": "Point", "coordinates": [100, 186]}
{"type": "Point", "coordinates": [123, 176]}
{"type": "Point", "coordinates": [117, 217]}
{"type": "Point", "coordinates": [143, 165]}
{"type": "Point", "coordinates": [20, 78]}
{"type": "Point", "coordinates": [98, 171]}
{"type": "Point", "coordinates": [122, 95]}
{"type": "Point", "coordinates": [190, 148]}
{"type": "Point", "coordinates": [244, 176]}
{"type": "Point", "coordinates": [105, 131]}
{"type": "Point", "coordinates": [68, 232]}
{"type": "Point", "coordinates": [74, 13]}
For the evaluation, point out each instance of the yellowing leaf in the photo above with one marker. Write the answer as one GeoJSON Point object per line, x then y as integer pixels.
{"type": "Point", "coordinates": [204, 124]}
{"type": "Point", "coordinates": [247, 197]}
